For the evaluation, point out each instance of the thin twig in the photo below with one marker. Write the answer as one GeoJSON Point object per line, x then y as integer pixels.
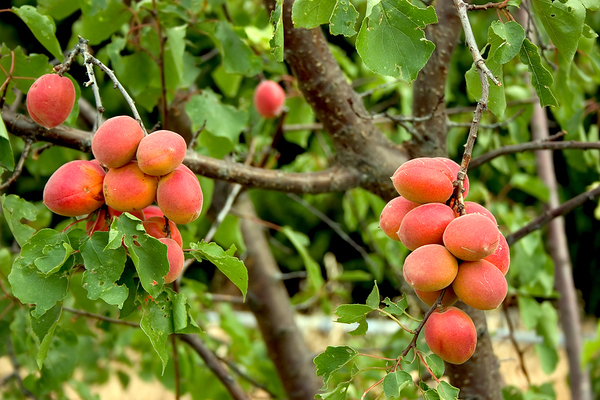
{"type": "Point", "coordinates": [379, 87]}
{"type": "Point", "coordinates": [511, 335]}
{"type": "Point", "coordinates": [248, 378]}
{"type": "Point", "coordinates": [19, 167]}
{"type": "Point", "coordinates": [470, 109]}
{"type": "Point", "coordinates": [487, 6]}
{"type": "Point", "coordinates": [452, 124]}
{"type": "Point", "coordinates": [100, 317]}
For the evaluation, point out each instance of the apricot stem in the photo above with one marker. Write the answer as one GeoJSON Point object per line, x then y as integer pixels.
{"type": "Point", "coordinates": [390, 316]}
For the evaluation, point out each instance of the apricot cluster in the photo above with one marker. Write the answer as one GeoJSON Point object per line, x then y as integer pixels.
{"type": "Point", "coordinates": [131, 171]}
{"type": "Point", "coordinates": [464, 254]}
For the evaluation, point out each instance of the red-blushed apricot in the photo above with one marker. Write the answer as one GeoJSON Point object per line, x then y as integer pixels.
{"type": "Point", "coordinates": [176, 259]}
{"type": "Point", "coordinates": [179, 197]}
{"type": "Point", "coordinates": [480, 284]}
{"type": "Point", "coordinates": [501, 257]}
{"type": "Point", "coordinates": [50, 100]}
{"type": "Point", "coordinates": [471, 237]}
{"type": "Point", "coordinates": [454, 167]}
{"type": "Point", "coordinates": [75, 188]}
{"type": "Point", "coordinates": [476, 208]}
{"type": "Point", "coordinates": [116, 141]}
{"type": "Point", "coordinates": [269, 99]}
{"type": "Point", "coordinates": [430, 297]}
{"type": "Point", "coordinates": [156, 227]}
{"type": "Point", "coordinates": [136, 213]}
{"type": "Point", "coordinates": [430, 267]}
{"type": "Point", "coordinates": [392, 215]}
{"type": "Point", "coordinates": [451, 334]}
{"type": "Point", "coordinates": [160, 152]}
{"type": "Point", "coordinates": [425, 225]}
{"type": "Point", "coordinates": [153, 211]}
{"type": "Point", "coordinates": [128, 189]}
{"type": "Point", "coordinates": [424, 180]}
{"type": "Point", "coordinates": [185, 168]}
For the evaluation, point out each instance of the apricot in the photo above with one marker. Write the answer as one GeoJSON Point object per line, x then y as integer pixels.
{"type": "Point", "coordinates": [424, 180]}
{"type": "Point", "coordinates": [179, 196]}
{"type": "Point", "coordinates": [392, 215]}
{"type": "Point", "coordinates": [128, 189]}
{"type": "Point", "coordinates": [471, 237]}
{"type": "Point", "coordinates": [425, 225]}
{"type": "Point", "coordinates": [116, 141]}
{"type": "Point", "coordinates": [160, 152]}
{"type": "Point", "coordinates": [157, 227]}
{"type": "Point", "coordinates": [476, 208]}
{"type": "Point", "coordinates": [176, 259]}
{"type": "Point", "coordinates": [185, 168]}
{"type": "Point", "coordinates": [480, 284]}
{"type": "Point", "coordinates": [430, 267]}
{"type": "Point", "coordinates": [451, 334]}
{"type": "Point", "coordinates": [75, 188]}
{"type": "Point", "coordinates": [103, 218]}
{"type": "Point", "coordinates": [501, 257]}
{"type": "Point", "coordinates": [430, 298]}
{"type": "Point", "coordinates": [50, 100]}
{"type": "Point", "coordinates": [153, 211]}
{"type": "Point", "coordinates": [455, 167]}
{"type": "Point", "coordinates": [269, 99]}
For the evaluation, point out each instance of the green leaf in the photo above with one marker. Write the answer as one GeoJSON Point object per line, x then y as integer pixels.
{"type": "Point", "coordinates": [373, 299]}
{"type": "Point", "coordinates": [238, 57]}
{"type": "Point", "coordinates": [222, 120]}
{"type": "Point", "coordinates": [351, 313]}
{"type": "Point", "coordinates": [397, 308]}
{"type": "Point", "coordinates": [391, 40]}
{"type": "Point", "coordinates": [148, 254]}
{"type": "Point", "coordinates": [182, 319]}
{"type": "Point", "coordinates": [48, 250]}
{"type": "Point", "coordinates": [174, 52]}
{"type": "Point", "coordinates": [15, 210]}
{"type": "Point", "coordinates": [276, 41]}
{"type": "Point", "coordinates": [57, 9]}
{"type": "Point", "coordinates": [31, 287]}
{"type": "Point", "coordinates": [592, 5]}
{"type": "Point", "coordinates": [43, 328]}
{"type": "Point", "coordinates": [22, 66]}
{"type": "Point", "coordinates": [541, 78]}
{"type": "Point", "coordinates": [98, 23]}
{"type": "Point", "coordinates": [7, 159]}
{"type": "Point", "coordinates": [157, 324]}
{"type": "Point", "coordinates": [531, 185]}
{"type": "Point", "coordinates": [332, 360]}
{"type": "Point", "coordinates": [548, 357]}
{"type": "Point", "coordinates": [394, 382]}
{"type": "Point", "coordinates": [447, 391]}
{"type": "Point", "coordinates": [497, 98]}
{"type": "Point", "coordinates": [548, 324]}
{"type": "Point", "coordinates": [343, 19]}
{"type": "Point", "coordinates": [232, 267]}
{"type": "Point", "coordinates": [436, 364]}
{"type": "Point", "coordinates": [313, 269]}
{"type": "Point", "coordinates": [563, 21]}
{"type": "Point", "coordinates": [42, 27]}
{"type": "Point", "coordinates": [312, 13]}
{"type": "Point", "coordinates": [530, 311]}
{"type": "Point", "coordinates": [103, 268]}
{"type": "Point", "coordinates": [505, 40]}
{"type": "Point", "coordinates": [339, 393]}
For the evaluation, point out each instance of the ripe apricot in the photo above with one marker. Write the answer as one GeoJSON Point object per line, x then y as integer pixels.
{"type": "Point", "coordinates": [269, 99]}
{"type": "Point", "coordinates": [451, 334]}
{"type": "Point", "coordinates": [156, 227]}
{"type": "Point", "coordinates": [116, 141]}
{"type": "Point", "coordinates": [128, 189]}
{"type": "Point", "coordinates": [75, 188]}
{"type": "Point", "coordinates": [501, 257]}
{"type": "Point", "coordinates": [153, 211]}
{"type": "Point", "coordinates": [480, 284]}
{"type": "Point", "coordinates": [103, 218]}
{"type": "Point", "coordinates": [471, 237]}
{"type": "Point", "coordinates": [424, 180]}
{"type": "Point", "coordinates": [430, 267]}
{"type": "Point", "coordinates": [179, 196]}
{"type": "Point", "coordinates": [50, 100]}
{"type": "Point", "coordinates": [430, 298]}
{"type": "Point", "coordinates": [176, 259]}
{"type": "Point", "coordinates": [160, 152]}
{"type": "Point", "coordinates": [425, 225]}
{"type": "Point", "coordinates": [476, 208]}
{"type": "Point", "coordinates": [454, 167]}
{"type": "Point", "coordinates": [392, 215]}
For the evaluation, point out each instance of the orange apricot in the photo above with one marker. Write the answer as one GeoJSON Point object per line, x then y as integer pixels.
{"type": "Point", "coordinates": [116, 141]}
{"type": "Point", "coordinates": [471, 237]}
{"type": "Point", "coordinates": [160, 152]}
{"type": "Point", "coordinates": [179, 196]}
{"type": "Point", "coordinates": [430, 267]}
{"type": "Point", "coordinates": [269, 99]}
{"type": "Point", "coordinates": [501, 257]}
{"type": "Point", "coordinates": [75, 188]}
{"type": "Point", "coordinates": [425, 225]}
{"type": "Point", "coordinates": [480, 284]}
{"type": "Point", "coordinates": [50, 100]}
{"type": "Point", "coordinates": [128, 189]}
{"type": "Point", "coordinates": [424, 180]}
{"type": "Point", "coordinates": [157, 227]}
{"type": "Point", "coordinates": [476, 208]}
{"type": "Point", "coordinates": [392, 215]}
{"type": "Point", "coordinates": [176, 259]}
{"type": "Point", "coordinates": [451, 334]}
{"type": "Point", "coordinates": [153, 211]}
{"type": "Point", "coordinates": [430, 298]}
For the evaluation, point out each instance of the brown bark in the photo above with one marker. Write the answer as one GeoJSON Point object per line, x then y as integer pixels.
{"type": "Point", "coordinates": [269, 300]}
